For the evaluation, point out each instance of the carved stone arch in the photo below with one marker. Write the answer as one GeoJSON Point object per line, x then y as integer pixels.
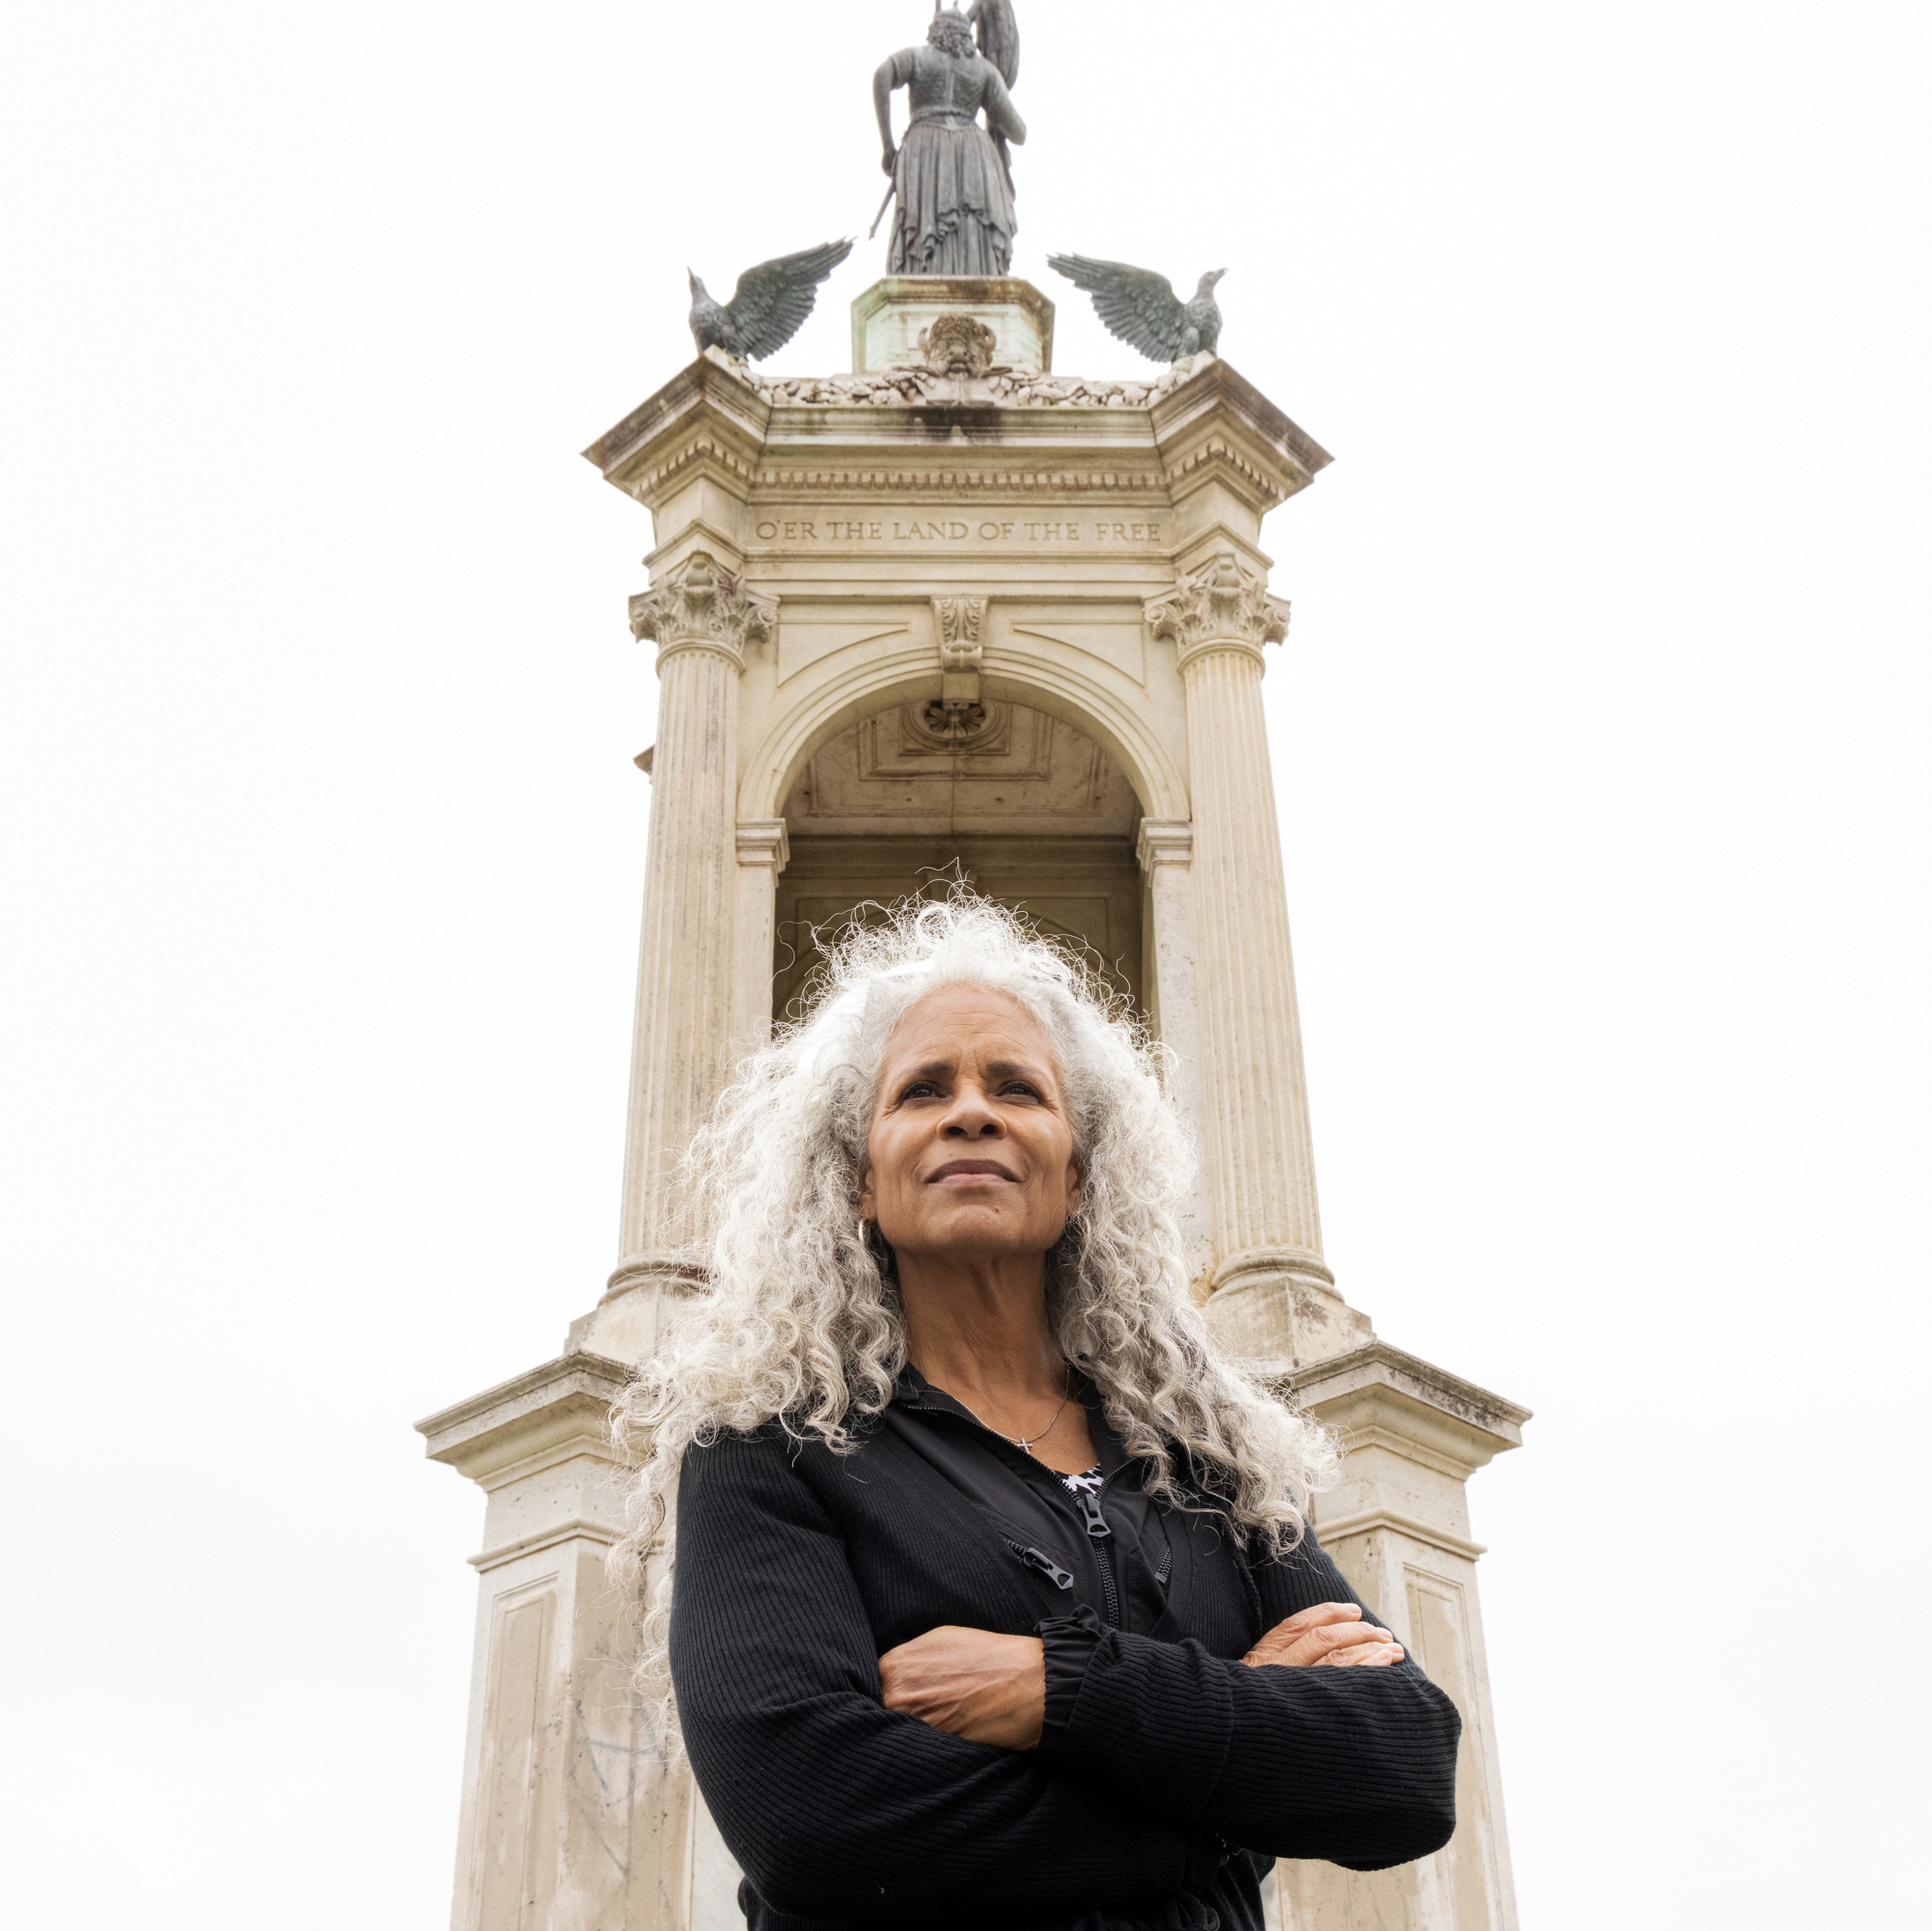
{"type": "Point", "coordinates": [1123, 729]}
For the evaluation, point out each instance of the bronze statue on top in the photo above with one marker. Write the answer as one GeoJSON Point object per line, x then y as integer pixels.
{"type": "Point", "coordinates": [954, 185]}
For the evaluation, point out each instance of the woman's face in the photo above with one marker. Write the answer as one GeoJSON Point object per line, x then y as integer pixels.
{"type": "Point", "coordinates": [971, 1153]}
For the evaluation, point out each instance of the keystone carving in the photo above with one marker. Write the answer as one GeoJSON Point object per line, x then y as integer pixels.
{"type": "Point", "coordinates": [700, 604]}
{"type": "Point", "coordinates": [1223, 602]}
{"type": "Point", "coordinates": [961, 619]}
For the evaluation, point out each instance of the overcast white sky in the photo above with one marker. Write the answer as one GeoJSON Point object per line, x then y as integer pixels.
{"type": "Point", "coordinates": [1600, 751]}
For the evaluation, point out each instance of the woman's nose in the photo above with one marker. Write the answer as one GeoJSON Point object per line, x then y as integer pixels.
{"type": "Point", "coordinates": [971, 1118]}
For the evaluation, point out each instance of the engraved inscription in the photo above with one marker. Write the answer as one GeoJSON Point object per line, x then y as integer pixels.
{"type": "Point", "coordinates": [844, 531]}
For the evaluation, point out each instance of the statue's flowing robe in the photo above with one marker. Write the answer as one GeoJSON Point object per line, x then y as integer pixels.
{"type": "Point", "coordinates": [954, 213]}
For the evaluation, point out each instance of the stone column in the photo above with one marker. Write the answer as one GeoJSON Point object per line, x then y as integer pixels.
{"type": "Point", "coordinates": [702, 618]}
{"type": "Point", "coordinates": [763, 852]}
{"type": "Point", "coordinates": [1273, 1294]}
{"type": "Point", "coordinates": [1166, 850]}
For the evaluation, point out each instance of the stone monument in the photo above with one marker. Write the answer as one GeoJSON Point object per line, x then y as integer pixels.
{"type": "Point", "coordinates": [951, 614]}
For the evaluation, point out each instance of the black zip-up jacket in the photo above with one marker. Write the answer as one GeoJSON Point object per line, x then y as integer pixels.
{"type": "Point", "coordinates": [1168, 1774]}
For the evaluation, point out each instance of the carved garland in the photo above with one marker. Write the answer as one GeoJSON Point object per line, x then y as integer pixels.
{"type": "Point", "coordinates": [700, 605]}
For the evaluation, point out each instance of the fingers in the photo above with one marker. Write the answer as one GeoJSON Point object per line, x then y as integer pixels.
{"type": "Point", "coordinates": [1363, 1656]}
{"type": "Point", "coordinates": [1332, 1641]}
{"type": "Point", "coordinates": [1332, 1633]}
{"type": "Point", "coordinates": [1291, 1629]}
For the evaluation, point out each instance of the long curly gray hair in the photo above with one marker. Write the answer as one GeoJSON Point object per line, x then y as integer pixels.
{"type": "Point", "coordinates": [800, 1324]}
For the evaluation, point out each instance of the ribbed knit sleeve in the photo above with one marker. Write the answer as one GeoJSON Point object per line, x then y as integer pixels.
{"type": "Point", "coordinates": [833, 1804]}
{"type": "Point", "coordinates": [1355, 1766]}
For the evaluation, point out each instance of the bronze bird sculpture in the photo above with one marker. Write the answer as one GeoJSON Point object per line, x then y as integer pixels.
{"type": "Point", "coordinates": [1141, 308]}
{"type": "Point", "coordinates": [769, 305]}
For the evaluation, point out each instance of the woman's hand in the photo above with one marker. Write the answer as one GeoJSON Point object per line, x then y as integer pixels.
{"type": "Point", "coordinates": [976, 1684]}
{"type": "Point", "coordinates": [1332, 1633]}
{"type": "Point", "coordinates": [889, 160]}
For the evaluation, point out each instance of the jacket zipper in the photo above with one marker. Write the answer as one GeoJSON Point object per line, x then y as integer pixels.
{"type": "Point", "coordinates": [1098, 1533]}
{"type": "Point", "coordinates": [1038, 1559]}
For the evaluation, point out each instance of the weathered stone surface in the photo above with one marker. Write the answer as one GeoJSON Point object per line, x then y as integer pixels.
{"type": "Point", "coordinates": [918, 623]}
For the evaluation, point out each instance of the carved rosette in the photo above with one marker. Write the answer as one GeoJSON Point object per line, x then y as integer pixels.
{"type": "Point", "coordinates": [700, 605]}
{"type": "Point", "coordinates": [1222, 606]}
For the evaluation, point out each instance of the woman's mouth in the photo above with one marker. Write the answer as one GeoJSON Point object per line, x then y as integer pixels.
{"type": "Point", "coordinates": [969, 1172]}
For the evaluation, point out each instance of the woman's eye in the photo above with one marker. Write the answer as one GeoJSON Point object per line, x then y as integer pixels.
{"type": "Point", "coordinates": [920, 1089]}
{"type": "Point", "coordinates": [1023, 1088]}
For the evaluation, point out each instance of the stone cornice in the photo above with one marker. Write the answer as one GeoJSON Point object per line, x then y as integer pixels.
{"type": "Point", "coordinates": [1218, 425]}
{"type": "Point", "coordinates": [706, 419]}
{"type": "Point", "coordinates": [1222, 606]}
{"type": "Point", "coordinates": [1194, 427]}
{"type": "Point", "coordinates": [564, 1405]}
{"type": "Point", "coordinates": [1379, 1392]}
{"type": "Point", "coordinates": [700, 605]}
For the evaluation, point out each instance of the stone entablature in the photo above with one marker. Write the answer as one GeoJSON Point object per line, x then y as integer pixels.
{"type": "Point", "coordinates": [716, 426]}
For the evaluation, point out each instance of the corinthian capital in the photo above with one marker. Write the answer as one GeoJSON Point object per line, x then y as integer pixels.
{"type": "Point", "coordinates": [700, 605]}
{"type": "Point", "coordinates": [1221, 606]}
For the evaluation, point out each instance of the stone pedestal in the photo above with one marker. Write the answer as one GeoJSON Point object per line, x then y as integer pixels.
{"type": "Point", "coordinates": [949, 615]}
{"type": "Point", "coordinates": [570, 1816]}
{"type": "Point", "coordinates": [891, 316]}
{"type": "Point", "coordinates": [1398, 1526]}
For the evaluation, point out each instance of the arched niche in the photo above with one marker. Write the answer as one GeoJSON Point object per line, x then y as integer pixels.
{"type": "Point", "coordinates": [1013, 800]}
{"type": "Point", "coordinates": [847, 686]}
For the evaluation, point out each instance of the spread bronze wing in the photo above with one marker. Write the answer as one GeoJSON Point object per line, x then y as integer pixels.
{"type": "Point", "coordinates": [998, 36]}
{"type": "Point", "coordinates": [771, 301]}
{"type": "Point", "coordinates": [1137, 304]}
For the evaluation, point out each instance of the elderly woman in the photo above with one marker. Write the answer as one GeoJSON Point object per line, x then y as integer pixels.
{"type": "Point", "coordinates": [990, 1597]}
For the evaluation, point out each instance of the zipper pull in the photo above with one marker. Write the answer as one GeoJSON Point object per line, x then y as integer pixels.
{"type": "Point", "coordinates": [1090, 1509]}
{"type": "Point", "coordinates": [1038, 1559]}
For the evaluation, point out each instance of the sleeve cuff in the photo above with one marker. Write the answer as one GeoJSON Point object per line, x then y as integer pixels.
{"type": "Point", "coordinates": [1069, 1643]}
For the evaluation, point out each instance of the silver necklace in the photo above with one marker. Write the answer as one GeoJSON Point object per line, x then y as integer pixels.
{"type": "Point", "coordinates": [1022, 1442]}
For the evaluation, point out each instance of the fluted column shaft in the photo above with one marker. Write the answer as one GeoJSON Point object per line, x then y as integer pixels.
{"type": "Point", "coordinates": [1260, 1152]}
{"type": "Point", "coordinates": [686, 1019]}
